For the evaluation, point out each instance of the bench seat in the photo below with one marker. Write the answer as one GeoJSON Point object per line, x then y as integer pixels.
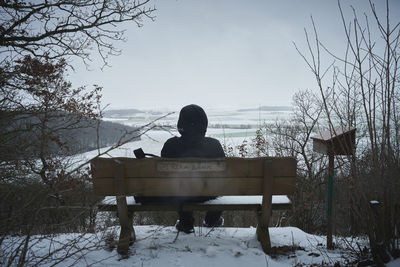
{"type": "Point", "coordinates": [279, 202]}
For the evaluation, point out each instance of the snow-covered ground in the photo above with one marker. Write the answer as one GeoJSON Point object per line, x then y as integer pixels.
{"type": "Point", "coordinates": [158, 246]}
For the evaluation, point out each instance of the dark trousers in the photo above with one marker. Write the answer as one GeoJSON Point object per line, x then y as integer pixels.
{"type": "Point", "coordinates": [211, 216]}
{"type": "Point", "coordinates": [184, 216]}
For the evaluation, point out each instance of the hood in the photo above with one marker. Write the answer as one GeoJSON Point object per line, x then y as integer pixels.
{"type": "Point", "coordinates": [192, 121]}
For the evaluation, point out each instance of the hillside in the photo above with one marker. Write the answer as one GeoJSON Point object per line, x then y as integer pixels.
{"type": "Point", "coordinates": [268, 108]}
{"type": "Point", "coordinates": [65, 134]}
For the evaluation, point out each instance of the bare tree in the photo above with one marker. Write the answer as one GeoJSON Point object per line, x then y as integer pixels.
{"type": "Point", "coordinates": [53, 28]}
{"type": "Point", "coordinates": [39, 108]}
{"type": "Point", "coordinates": [292, 137]}
{"type": "Point", "coordinates": [361, 89]}
{"type": "Point", "coordinates": [33, 170]}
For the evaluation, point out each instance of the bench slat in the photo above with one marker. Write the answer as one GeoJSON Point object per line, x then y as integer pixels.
{"type": "Point", "coordinates": [228, 167]}
{"type": "Point", "coordinates": [193, 187]}
{"type": "Point", "coordinates": [190, 207]}
{"type": "Point", "coordinates": [223, 200]}
{"type": "Point", "coordinates": [228, 176]}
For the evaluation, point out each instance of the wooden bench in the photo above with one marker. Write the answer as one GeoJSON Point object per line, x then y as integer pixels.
{"type": "Point", "coordinates": [123, 177]}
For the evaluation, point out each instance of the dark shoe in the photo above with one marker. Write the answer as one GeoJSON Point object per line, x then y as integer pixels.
{"type": "Point", "coordinates": [217, 223]}
{"type": "Point", "coordinates": [184, 226]}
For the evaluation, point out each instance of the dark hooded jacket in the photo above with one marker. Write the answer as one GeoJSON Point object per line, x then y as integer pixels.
{"type": "Point", "coordinates": [192, 125]}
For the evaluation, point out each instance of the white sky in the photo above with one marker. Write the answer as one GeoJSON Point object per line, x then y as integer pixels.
{"type": "Point", "coordinates": [221, 53]}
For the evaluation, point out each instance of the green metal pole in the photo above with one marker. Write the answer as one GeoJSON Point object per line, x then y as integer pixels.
{"type": "Point", "coordinates": [329, 243]}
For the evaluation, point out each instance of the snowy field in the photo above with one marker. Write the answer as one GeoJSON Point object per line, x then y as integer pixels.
{"type": "Point", "coordinates": [230, 127]}
{"type": "Point", "coordinates": [216, 117]}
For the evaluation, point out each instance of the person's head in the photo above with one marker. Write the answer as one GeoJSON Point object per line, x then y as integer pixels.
{"type": "Point", "coordinates": [192, 121]}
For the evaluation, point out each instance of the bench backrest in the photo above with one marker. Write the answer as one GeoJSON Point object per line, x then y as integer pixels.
{"type": "Point", "coordinates": [193, 176]}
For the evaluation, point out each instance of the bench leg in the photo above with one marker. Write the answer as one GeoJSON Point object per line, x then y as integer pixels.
{"type": "Point", "coordinates": [127, 235]}
{"type": "Point", "coordinates": [262, 230]}
{"type": "Point", "coordinates": [265, 214]}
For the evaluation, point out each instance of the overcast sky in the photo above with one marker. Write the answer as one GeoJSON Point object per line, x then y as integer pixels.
{"type": "Point", "coordinates": [219, 53]}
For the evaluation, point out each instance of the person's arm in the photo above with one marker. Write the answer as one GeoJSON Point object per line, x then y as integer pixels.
{"type": "Point", "coordinates": [219, 150]}
{"type": "Point", "coordinates": [169, 148]}
{"type": "Point", "coordinates": [214, 149]}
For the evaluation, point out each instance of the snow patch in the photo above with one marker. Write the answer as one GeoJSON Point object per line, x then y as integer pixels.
{"type": "Point", "coordinates": [225, 200]}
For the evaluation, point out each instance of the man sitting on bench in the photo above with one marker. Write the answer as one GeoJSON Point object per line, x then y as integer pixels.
{"type": "Point", "coordinates": [192, 125]}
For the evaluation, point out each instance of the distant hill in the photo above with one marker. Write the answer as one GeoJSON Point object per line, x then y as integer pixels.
{"type": "Point", "coordinates": [23, 131]}
{"type": "Point", "coordinates": [112, 113]}
{"type": "Point", "coordinates": [124, 113]}
{"type": "Point", "coordinates": [268, 108]}
{"type": "Point", "coordinates": [85, 137]}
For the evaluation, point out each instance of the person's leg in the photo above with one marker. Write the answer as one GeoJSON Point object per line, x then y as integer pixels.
{"type": "Point", "coordinates": [149, 200]}
{"type": "Point", "coordinates": [186, 219]}
{"type": "Point", "coordinates": [213, 219]}
{"type": "Point", "coordinates": [186, 222]}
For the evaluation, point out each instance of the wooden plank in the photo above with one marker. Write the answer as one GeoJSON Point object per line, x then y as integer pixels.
{"type": "Point", "coordinates": [193, 187]}
{"type": "Point", "coordinates": [192, 206]}
{"type": "Point", "coordinates": [119, 175]}
{"type": "Point", "coordinates": [183, 186]}
{"type": "Point", "coordinates": [185, 207]}
{"type": "Point", "coordinates": [184, 166]}
{"type": "Point", "coordinates": [284, 185]}
{"type": "Point", "coordinates": [235, 167]}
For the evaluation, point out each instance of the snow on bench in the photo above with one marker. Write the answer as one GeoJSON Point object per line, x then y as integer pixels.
{"type": "Point", "coordinates": [224, 200]}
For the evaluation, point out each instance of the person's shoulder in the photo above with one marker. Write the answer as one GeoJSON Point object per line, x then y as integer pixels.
{"type": "Point", "coordinates": [214, 147]}
{"type": "Point", "coordinates": [170, 148]}
{"type": "Point", "coordinates": [212, 140]}
{"type": "Point", "coordinates": [172, 140]}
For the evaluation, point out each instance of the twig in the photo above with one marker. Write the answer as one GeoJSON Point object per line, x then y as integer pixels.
{"type": "Point", "coordinates": [176, 237]}
{"type": "Point", "coordinates": [212, 229]}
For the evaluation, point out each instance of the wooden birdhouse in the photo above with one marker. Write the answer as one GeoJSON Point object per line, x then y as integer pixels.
{"type": "Point", "coordinates": [338, 141]}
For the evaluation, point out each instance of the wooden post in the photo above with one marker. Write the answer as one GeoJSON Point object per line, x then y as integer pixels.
{"type": "Point", "coordinates": [264, 215]}
{"type": "Point", "coordinates": [127, 235]}
{"type": "Point", "coordinates": [329, 243]}
{"type": "Point", "coordinates": [376, 236]}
